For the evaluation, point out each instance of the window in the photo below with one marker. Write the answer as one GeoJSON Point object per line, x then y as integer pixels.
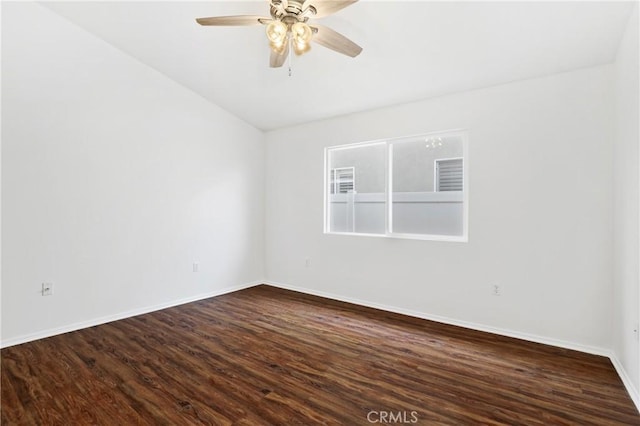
{"type": "Point", "coordinates": [413, 187]}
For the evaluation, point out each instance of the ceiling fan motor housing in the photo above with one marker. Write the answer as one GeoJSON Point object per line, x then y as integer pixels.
{"type": "Point", "coordinates": [293, 11]}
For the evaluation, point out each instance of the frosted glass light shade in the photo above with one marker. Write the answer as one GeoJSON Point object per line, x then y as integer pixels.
{"type": "Point", "coordinates": [277, 32]}
{"type": "Point", "coordinates": [301, 34]}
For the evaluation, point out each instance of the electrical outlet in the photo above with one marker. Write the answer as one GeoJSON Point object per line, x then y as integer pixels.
{"type": "Point", "coordinates": [47, 289]}
{"type": "Point", "coordinates": [196, 267]}
{"type": "Point", "coordinates": [496, 290]}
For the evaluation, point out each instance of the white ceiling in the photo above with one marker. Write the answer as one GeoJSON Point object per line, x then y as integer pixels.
{"type": "Point", "coordinates": [412, 50]}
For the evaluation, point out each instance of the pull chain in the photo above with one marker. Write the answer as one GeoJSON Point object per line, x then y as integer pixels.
{"type": "Point", "coordinates": [290, 53]}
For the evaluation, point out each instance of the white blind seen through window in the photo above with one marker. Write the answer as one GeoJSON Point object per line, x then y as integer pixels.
{"type": "Point", "coordinates": [449, 175]}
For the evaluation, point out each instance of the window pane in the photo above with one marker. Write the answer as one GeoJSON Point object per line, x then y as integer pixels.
{"type": "Point", "coordinates": [427, 186]}
{"type": "Point", "coordinates": [357, 195]}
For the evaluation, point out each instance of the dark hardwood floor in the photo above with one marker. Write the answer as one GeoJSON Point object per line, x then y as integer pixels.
{"type": "Point", "coordinates": [265, 356]}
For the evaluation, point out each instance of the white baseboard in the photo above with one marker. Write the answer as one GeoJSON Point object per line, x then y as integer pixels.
{"type": "Point", "coordinates": [628, 384]}
{"type": "Point", "coordinates": [122, 315]}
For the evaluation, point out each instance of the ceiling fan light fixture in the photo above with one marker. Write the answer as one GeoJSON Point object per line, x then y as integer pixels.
{"type": "Point", "coordinates": [301, 35]}
{"type": "Point", "coordinates": [277, 32]}
{"type": "Point", "coordinates": [277, 47]}
{"type": "Point", "coordinates": [301, 48]}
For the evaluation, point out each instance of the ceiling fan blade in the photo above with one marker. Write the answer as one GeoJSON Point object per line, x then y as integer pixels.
{"type": "Point", "coordinates": [232, 20]}
{"type": "Point", "coordinates": [277, 59]}
{"type": "Point", "coordinates": [327, 7]}
{"type": "Point", "coordinates": [333, 40]}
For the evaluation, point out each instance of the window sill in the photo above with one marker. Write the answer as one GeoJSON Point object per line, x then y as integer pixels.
{"type": "Point", "coordinates": [446, 238]}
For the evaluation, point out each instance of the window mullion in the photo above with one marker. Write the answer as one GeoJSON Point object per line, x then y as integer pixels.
{"type": "Point", "coordinates": [389, 188]}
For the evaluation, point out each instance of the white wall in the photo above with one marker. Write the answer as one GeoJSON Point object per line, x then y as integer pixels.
{"type": "Point", "coordinates": [540, 164]}
{"type": "Point", "coordinates": [626, 212]}
{"type": "Point", "coordinates": [114, 180]}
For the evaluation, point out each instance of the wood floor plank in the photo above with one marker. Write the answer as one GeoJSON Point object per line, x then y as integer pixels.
{"type": "Point", "coordinates": [265, 356]}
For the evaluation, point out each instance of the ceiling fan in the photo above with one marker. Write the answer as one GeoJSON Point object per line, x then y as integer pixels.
{"type": "Point", "coordinates": [288, 27]}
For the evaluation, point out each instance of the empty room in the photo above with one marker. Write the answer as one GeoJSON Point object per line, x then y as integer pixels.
{"type": "Point", "coordinates": [301, 212]}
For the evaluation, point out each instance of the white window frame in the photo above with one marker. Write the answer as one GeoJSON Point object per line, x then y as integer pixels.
{"type": "Point", "coordinates": [462, 134]}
